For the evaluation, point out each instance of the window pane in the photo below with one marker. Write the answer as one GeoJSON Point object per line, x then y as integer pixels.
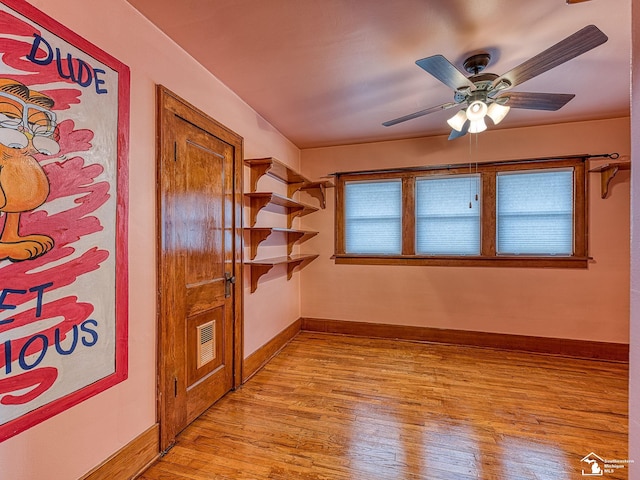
{"type": "Point", "coordinates": [535, 212]}
{"type": "Point", "coordinates": [448, 216]}
{"type": "Point", "coordinates": [373, 217]}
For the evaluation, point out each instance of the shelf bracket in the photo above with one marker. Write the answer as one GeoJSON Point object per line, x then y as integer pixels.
{"type": "Point", "coordinates": [293, 213]}
{"type": "Point", "coordinates": [256, 272]}
{"type": "Point", "coordinates": [607, 173]}
{"type": "Point", "coordinates": [317, 190]}
{"type": "Point", "coordinates": [257, 237]}
{"type": "Point", "coordinates": [292, 238]}
{"type": "Point", "coordinates": [257, 204]}
{"type": "Point", "coordinates": [257, 171]}
{"type": "Point", "coordinates": [291, 267]}
{"type": "Point", "coordinates": [292, 188]}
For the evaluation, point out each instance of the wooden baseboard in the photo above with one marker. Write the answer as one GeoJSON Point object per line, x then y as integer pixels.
{"type": "Point", "coordinates": [618, 352]}
{"type": "Point", "coordinates": [131, 460]}
{"type": "Point", "coordinates": [258, 359]}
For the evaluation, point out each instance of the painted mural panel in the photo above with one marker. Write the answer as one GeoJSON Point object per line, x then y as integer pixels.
{"type": "Point", "coordinates": [63, 195]}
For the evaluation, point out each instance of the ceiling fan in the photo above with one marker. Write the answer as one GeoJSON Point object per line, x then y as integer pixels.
{"type": "Point", "coordinates": [484, 94]}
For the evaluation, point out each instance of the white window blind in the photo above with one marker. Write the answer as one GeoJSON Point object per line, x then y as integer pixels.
{"type": "Point", "coordinates": [535, 212]}
{"type": "Point", "coordinates": [373, 217]}
{"type": "Point", "coordinates": [448, 215]}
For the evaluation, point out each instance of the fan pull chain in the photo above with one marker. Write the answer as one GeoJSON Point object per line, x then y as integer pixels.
{"type": "Point", "coordinates": [470, 177]}
{"type": "Point", "coordinates": [476, 178]}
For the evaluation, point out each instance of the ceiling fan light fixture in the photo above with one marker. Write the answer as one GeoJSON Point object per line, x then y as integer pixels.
{"type": "Point", "coordinates": [483, 94]}
{"type": "Point", "coordinates": [476, 111]}
{"type": "Point", "coordinates": [502, 84]}
{"type": "Point", "coordinates": [477, 126]}
{"type": "Point", "coordinates": [497, 112]}
{"type": "Point", "coordinates": [457, 121]}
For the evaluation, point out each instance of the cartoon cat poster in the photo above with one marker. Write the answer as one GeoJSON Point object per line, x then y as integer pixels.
{"type": "Point", "coordinates": [64, 114]}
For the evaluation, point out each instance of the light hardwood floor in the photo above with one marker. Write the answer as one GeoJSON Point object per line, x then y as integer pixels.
{"type": "Point", "coordinates": [336, 407]}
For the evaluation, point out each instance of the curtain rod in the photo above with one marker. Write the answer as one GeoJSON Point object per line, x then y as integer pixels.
{"type": "Point", "coordinates": [612, 156]}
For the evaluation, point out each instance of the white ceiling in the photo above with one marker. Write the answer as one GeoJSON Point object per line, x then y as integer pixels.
{"type": "Point", "coordinates": [329, 72]}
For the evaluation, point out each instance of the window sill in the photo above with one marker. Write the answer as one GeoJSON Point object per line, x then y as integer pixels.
{"type": "Point", "coordinates": [464, 261]}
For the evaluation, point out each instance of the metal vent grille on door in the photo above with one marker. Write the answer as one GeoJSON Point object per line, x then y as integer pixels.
{"type": "Point", "coordinates": [206, 343]}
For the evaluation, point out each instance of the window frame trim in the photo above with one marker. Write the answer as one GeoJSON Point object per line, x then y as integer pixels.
{"type": "Point", "coordinates": [488, 257]}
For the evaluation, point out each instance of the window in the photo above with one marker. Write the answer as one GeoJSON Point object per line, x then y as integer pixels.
{"type": "Point", "coordinates": [525, 213]}
{"type": "Point", "coordinates": [535, 212]}
{"type": "Point", "coordinates": [373, 217]}
{"type": "Point", "coordinates": [447, 215]}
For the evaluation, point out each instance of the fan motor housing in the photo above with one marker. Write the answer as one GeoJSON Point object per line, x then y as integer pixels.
{"type": "Point", "coordinates": [476, 63]}
{"type": "Point", "coordinates": [483, 83]}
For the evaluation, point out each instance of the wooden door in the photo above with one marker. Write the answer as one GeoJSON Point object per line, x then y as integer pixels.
{"type": "Point", "coordinates": [199, 262]}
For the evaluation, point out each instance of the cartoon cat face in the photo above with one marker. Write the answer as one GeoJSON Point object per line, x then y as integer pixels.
{"type": "Point", "coordinates": [26, 122]}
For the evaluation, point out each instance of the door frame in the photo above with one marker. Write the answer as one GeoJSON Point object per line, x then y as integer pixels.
{"type": "Point", "coordinates": [170, 105]}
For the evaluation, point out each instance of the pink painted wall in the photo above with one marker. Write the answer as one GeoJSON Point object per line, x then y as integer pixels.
{"type": "Point", "coordinates": [589, 304]}
{"type": "Point", "coordinates": [70, 444]}
{"type": "Point", "coordinates": [634, 367]}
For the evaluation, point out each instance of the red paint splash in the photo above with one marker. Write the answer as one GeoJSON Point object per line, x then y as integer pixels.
{"type": "Point", "coordinates": [42, 379]}
{"type": "Point", "coordinates": [63, 98]}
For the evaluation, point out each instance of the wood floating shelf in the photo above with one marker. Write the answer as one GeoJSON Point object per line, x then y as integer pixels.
{"type": "Point", "coordinates": [259, 200]}
{"type": "Point", "coordinates": [274, 168]}
{"type": "Point", "coordinates": [260, 234]}
{"type": "Point", "coordinates": [261, 267]}
{"type": "Point", "coordinates": [295, 181]}
{"type": "Point", "coordinates": [607, 172]}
